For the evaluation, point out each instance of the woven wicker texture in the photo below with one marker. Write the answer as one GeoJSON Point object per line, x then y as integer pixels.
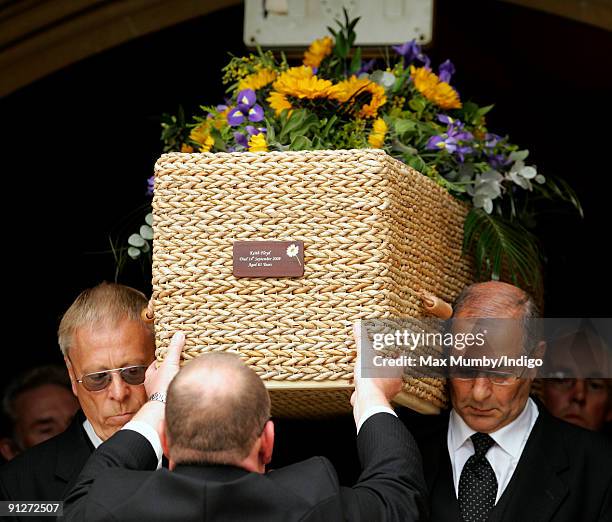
{"type": "Point", "coordinates": [375, 233]}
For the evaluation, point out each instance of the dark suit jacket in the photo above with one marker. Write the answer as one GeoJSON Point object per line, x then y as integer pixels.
{"type": "Point", "coordinates": [114, 487]}
{"type": "Point", "coordinates": [564, 474]}
{"type": "Point", "coordinates": [47, 471]}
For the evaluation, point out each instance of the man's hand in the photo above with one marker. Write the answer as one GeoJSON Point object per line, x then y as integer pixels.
{"type": "Point", "coordinates": [157, 380]}
{"type": "Point", "coordinates": [371, 392]}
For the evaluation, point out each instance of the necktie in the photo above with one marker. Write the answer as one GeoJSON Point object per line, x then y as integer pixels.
{"type": "Point", "coordinates": [477, 483]}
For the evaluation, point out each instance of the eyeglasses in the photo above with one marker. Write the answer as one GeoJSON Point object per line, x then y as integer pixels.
{"type": "Point", "coordinates": [494, 377]}
{"type": "Point", "coordinates": [592, 385]}
{"type": "Point", "coordinates": [97, 381]}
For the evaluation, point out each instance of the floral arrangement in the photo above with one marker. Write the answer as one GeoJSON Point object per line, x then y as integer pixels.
{"type": "Point", "coordinates": [336, 100]}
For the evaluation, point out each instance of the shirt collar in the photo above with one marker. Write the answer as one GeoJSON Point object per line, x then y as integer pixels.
{"type": "Point", "coordinates": [93, 436]}
{"type": "Point", "coordinates": [509, 438]}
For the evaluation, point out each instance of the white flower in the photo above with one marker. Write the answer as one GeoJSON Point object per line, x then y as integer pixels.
{"type": "Point", "coordinates": [292, 250]}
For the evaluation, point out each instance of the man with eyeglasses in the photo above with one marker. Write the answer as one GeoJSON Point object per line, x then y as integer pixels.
{"type": "Point", "coordinates": [499, 456]}
{"type": "Point", "coordinates": [107, 349]}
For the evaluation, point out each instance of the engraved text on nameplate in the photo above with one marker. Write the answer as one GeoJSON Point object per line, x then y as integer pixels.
{"type": "Point", "coordinates": [268, 258]}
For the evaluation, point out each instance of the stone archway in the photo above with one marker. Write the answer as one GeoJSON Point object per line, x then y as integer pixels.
{"type": "Point", "coordinates": [38, 37]}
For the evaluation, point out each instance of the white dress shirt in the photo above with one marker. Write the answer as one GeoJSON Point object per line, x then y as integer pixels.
{"type": "Point", "coordinates": [144, 429]}
{"type": "Point", "coordinates": [503, 456]}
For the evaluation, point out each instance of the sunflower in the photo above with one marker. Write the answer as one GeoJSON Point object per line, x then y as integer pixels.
{"type": "Point", "coordinates": [257, 143]}
{"type": "Point", "coordinates": [348, 89]}
{"type": "Point", "coordinates": [257, 80]}
{"type": "Point", "coordinates": [186, 148]}
{"type": "Point", "coordinates": [317, 51]}
{"type": "Point", "coordinates": [201, 135]}
{"type": "Point", "coordinates": [297, 82]}
{"type": "Point", "coordinates": [377, 136]}
{"type": "Point", "coordinates": [436, 91]}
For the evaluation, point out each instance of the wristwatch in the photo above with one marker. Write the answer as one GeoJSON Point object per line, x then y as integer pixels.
{"type": "Point", "coordinates": [158, 396]}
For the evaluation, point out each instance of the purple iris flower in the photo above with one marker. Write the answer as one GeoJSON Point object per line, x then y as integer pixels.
{"type": "Point", "coordinates": [246, 99]}
{"type": "Point", "coordinates": [442, 142]}
{"type": "Point", "coordinates": [241, 139]}
{"type": "Point", "coordinates": [411, 51]}
{"type": "Point", "coordinates": [150, 185]}
{"type": "Point", "coordinates": [235, 117]}
{"type": "Point", "coordinates": [492, 139]}
{"type": "Point", "coordinates": [451, 122]}
{"type": "Point", "coordinates": [366, 66]}
{"type": "Point", "coordinates": [256, 113]}
{"type": "Point", "coordinates": [498, 161]}
{"type": "Point", "coordinates": [446, 71]}
{"type": "Point", "coordinates": [254, 131]}
{"type": "Point", "coordinates": [453, 140]}
{"type": "Point", "coordinates": [221, 108]}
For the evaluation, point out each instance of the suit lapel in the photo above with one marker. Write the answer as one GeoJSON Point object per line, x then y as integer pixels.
{"type": "Point", "coordinates": [439, 478]}
{"type": "Point", "coordinates": [535, 490]}
{"type": "Point", "coordinates": [72, 452]}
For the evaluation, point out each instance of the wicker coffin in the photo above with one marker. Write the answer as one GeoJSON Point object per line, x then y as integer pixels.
{"type": "Point", "coordinates": [375, 233]}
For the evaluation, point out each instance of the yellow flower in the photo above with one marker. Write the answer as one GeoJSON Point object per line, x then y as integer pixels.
{"type": "Point", "coordinates": [297, 82]}
{"type": "Point", "coordinates": [257, 80]}
{"type": "Point", "coordinates": [317, 51]}
{"type": "Point", "coordinates": [220, 120]}
{"type": "Point", "coordinates": [279, 102]}
{"type": "Point", "coordinates": [377, 136]}
{"type": "Point", "coordinates": [436, 91]}
{"type": "Point", "coordinates": [257, 143]}
{"type": "Point", "coordinates": [348, 89]}
{"type": "Point", "coordinates": [201, 135]}
{"type": "Point", "coordinates": [186, 148]}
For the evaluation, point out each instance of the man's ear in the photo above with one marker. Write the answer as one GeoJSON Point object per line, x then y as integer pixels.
{"type": "Point", "coordinates": [540, 350]}
{"type": "Point", "coordinates": [73, 381]}
{"type": "Point", "coordinates": [165, 444]}
{"type": "Point", "coordinates": [538, 353]}
{"type": "Point", "coordinates": [267, 443]}
{"type": "Point", "coordinates": [8, 448]}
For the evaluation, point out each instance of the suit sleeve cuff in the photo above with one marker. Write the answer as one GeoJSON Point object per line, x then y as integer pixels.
{"type": "Point", "coordinates": [148, 433]}
{"type": "Point", "coordinates": [373, 410]}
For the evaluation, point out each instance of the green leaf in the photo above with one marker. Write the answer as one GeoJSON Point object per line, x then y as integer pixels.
{"type": "Point", "coordinates": [402, 126]}
{"type": "Point", "coordinates": [133, 252]}
{"type": "Point", "coordinates": [501, 249]}
{"type": "Point", "coordinates": [294, 122]}
{"type": "Point", "coordinates": [356, 61]}
{"type": "Point", "coordinates": [301, 143]}
{"type": "Point", "coordinates": [149, 219]}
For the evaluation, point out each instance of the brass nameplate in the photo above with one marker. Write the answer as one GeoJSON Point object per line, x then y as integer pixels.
{"type": "Point", "coordinates": [268, 258]}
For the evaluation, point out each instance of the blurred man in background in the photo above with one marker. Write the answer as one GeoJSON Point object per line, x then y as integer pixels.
{"type": "Point", "coordinates": [37, 405]}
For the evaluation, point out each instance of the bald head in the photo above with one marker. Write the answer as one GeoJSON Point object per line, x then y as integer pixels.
{"type": "Point", "coordinates": [494, 299]}
{"type": "Point", "coordinates": [216, 409]}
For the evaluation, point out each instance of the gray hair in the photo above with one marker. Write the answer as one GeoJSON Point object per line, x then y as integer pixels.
{"type": "Point", "coordinates": [107, 303]}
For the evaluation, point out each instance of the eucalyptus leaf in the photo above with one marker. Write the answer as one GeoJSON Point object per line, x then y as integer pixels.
{"type": "Point", "coordinates": [136, 240]}
{"type": "Point", "coordinates": [146, 232]}
{"type": "Point", "coordinates": [133, 252]}
{"type": "Point", "coordinates": [518, 155]}
{"type": "Point", "coordinates": [145, 248]}
{"type": "Point", "coordinates": [528, 172]}
{"type": "Point", "coordinates": [149, 219]}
